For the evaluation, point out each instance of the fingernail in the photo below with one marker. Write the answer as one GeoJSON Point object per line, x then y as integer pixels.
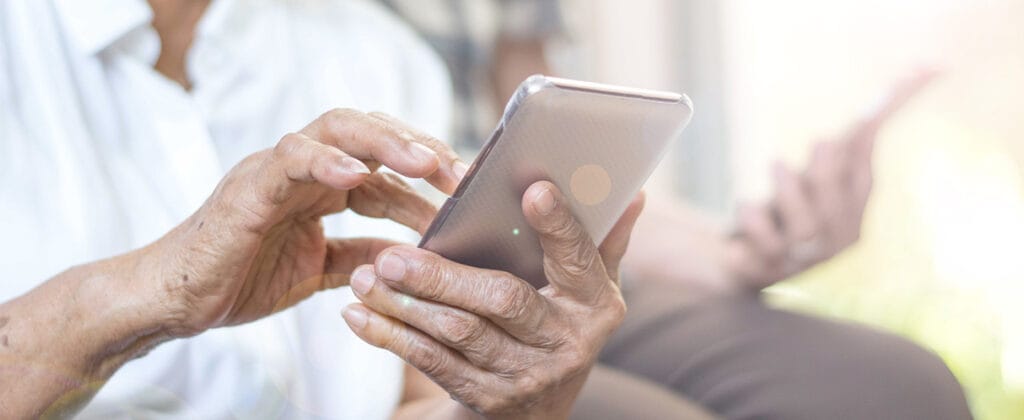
{"type": "Point", "coordinates": [362, 280]}
{"type": "Point", "coordinates": [353, 165]}
{"type": "Point", "coordinates": [355, 317]}
{"type": "Point", "coordinates": [392, 267]}
{"type": "Point", "coordinates": [421, 152]}
{"type": "Point", "coordinates": [544, 203]}
{"type": "Point", "coordinates": [460, 168]}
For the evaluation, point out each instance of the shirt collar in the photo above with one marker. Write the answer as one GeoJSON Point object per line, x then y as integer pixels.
{"type": "Point", "coordinates": [94, 25]}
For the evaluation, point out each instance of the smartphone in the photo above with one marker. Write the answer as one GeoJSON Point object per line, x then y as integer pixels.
{"type": "Point", "coordinates": [597, 143]}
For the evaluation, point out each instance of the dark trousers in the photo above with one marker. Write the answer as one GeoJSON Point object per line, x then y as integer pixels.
{"type": "Point", "coordinates": [734, 357]}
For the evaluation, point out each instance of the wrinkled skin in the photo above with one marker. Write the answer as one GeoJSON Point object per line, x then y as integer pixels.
{"type": "Point", "coordinates": [492, 341]}
{"type": "Point", "coordinates": [257, 245]}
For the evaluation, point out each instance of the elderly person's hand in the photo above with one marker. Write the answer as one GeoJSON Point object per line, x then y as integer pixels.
{"type": "Point", "coordinates": [257, 245]}
{"type": "Point", "coordinates": [492, 341]}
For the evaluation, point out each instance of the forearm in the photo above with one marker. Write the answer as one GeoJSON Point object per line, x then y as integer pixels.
{"type": "Point", "coordinates": [61, 341]}
{"type": "Point", "coordinates": [670, 229]}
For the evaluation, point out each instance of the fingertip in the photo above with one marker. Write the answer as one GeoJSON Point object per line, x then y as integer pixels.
{"type": "Point", "coordinates": [614, 245]}
{"type": "Point", "coordinates": [338, 170]}
{"type": "Point", "coordinates": [640, 201]}
{"type": "Point", "coordinates": [537, 188]}
{"type": "Point", "coordinates": [361, 280]}
{"type": "Point", "coordinates": [447, 180]}
{"type": "Point", "coordinates": [425, 157]}
{"type": "Point", "coordinates": [417, 161]}
{"type": "Point", "coordinates": [459, 169]}
{"type": "Point", "coordinates": [356, 315]}
{"type": "Point", "coordinates": [394, 263]}
{"type": "Point", "coordinates": [352, 165]}
{"type": "Point", "coordinates": [540, 200]}
{"type": "Point", "coordinates": [632, 212]}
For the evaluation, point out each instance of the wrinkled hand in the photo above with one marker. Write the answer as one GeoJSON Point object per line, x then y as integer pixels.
{"type": "Point", "coordinates": [496, 344]}
{"type": "Point", "coordinates": [257, 245]}
{"type": "Point", "coordinates": [817, 213]}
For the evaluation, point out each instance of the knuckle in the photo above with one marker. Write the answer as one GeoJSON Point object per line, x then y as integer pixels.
{"type": "Point", "coordinates": [231, 185]}
{"type": "Point", "coordinates": [337, 119]}
{"type": "Point", "coordinates": [576, 362]}
{"type": "Point", "coordinates": [616, 311]}
{"type": "Point", "coordinates": [392, 340]}
{"type": "Point", "coordinates": [575, 357]}
{"type": "Point", "coordinates": [564, 226]}
{"type": "Point", "coordinates": [433, 280]}
{"type": "Point", "coordinates": [531, 385]}
{"type": "Point", "coordinates": [380, 115]}
{"type": "Point", "coordinates": [395, 180]}
{"type": "Point", "coordinates": [288, 145]}
{"type": "Point", "coordinates": [510, 299]}
{"type": "Point", "coordinates": [252, 162]}
{"type": "Point", "coordinates": [619, 308]}
{"type": "Point", "coordinates": [431, 362]}
{"type": "Point", "coordinates": [581, 261]}
{"type": "Point", "coordinates": [338, 115]}
{"type": "Point", "coordinates": [466, 392]}
{"type": "Point", "coordinates": [433, 143]}
{"type": "Point", "coordinates": [462, 330]}
{"type": "Point", "coordinates": [493, 403]}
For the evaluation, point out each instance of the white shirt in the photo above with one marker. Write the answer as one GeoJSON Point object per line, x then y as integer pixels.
{"type": "Point", "coordinates": [100, 154]}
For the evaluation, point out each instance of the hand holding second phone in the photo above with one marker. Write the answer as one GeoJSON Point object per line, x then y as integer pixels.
{"type": "Point", "coordinates": [815, 214]}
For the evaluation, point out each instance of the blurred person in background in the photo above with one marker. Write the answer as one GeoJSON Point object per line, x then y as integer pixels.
{"type": "Point", "coordinates": [120, 117]}
{"type": "Point", "coordinates": [694, 289]}
{"type": "Point", "coordinates": [490, 47]}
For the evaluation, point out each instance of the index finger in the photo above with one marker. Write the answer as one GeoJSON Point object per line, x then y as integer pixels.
{"type": "Point", "coordinates": [451, 169]}
{"type": "Point", "coordinates": [904, 91]}
{"type": "Point", "coordinates": [370, 139]}
{"type": "Point", "coordinates": [861, 137]}
{"type": "Point", "coordinates": [385, 195]}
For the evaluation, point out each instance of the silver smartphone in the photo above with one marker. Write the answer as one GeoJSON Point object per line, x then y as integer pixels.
{"type": "Point", "coordinates": [597, 143]}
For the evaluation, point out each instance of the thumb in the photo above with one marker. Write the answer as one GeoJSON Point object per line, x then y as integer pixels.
{"type": "Point", "coordinates": [572, 263]}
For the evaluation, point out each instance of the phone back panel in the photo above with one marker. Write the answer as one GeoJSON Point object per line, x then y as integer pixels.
{"type": "Point", "coordinates": [597, 143]}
